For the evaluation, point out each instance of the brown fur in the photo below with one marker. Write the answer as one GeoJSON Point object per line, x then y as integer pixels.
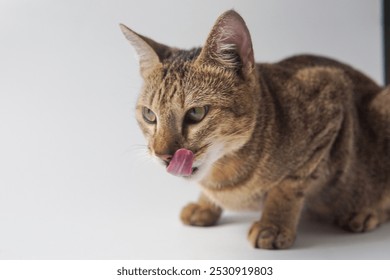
{"type": "Point", "coordinates": [305, 132]}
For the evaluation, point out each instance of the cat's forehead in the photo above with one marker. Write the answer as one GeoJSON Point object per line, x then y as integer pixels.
{"type": "Point", "coordinates": [182, 86]}
{"type": "Point", "coordinates": [182, 83]}
{"type": "Point", "coordinates": [167, 88]}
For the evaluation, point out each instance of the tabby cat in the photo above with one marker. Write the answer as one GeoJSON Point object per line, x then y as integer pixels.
{"type": "Point", "coordinates": [306, 132]}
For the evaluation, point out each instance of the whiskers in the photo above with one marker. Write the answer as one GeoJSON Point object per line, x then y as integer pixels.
{"type": "Point", "coordinates": [139, 152]}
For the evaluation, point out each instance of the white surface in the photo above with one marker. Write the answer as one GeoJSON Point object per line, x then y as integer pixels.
{"type": "Point", "coordinates": [75, 180]}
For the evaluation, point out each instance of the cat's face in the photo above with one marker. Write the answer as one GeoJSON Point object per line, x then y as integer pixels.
{"type": "Point", "coordinates": [199, 102]}
{"type": "Point", "coordinates": [206, 110]}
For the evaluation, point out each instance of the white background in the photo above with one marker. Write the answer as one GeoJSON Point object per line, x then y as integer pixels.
{"type": "Point", "coordinates": [75, 178]}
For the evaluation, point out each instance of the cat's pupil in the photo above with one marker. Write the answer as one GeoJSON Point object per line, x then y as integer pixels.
{"type": "Point", "coordinates": [196, 114]}
{"type": "Point", "coordinates": [148, 115]}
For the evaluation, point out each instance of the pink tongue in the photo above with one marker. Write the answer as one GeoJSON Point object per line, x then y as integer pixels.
{"type": "Point", "coordinates": [181, 163]}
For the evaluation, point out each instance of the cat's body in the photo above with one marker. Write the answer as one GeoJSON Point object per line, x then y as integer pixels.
{"type": "Point", "coordinates": [307, 131]}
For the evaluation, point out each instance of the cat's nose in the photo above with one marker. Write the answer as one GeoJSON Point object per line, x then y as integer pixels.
{"type": "Point", "coordinates": [166, 158]}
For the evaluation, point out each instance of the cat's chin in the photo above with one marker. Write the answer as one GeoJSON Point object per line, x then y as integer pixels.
{"type": "Point", "coordinates": [198, 173]}
{"type": "Point", "coordinates": [203, 166]}
{"type": "Point", "coordinates": [195, 175]}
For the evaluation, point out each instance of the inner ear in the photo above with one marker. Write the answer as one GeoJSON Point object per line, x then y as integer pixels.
{"type": "Point", "coordinates": [229, 43]}
{"type": "Point", "coordinates": [235, 36]}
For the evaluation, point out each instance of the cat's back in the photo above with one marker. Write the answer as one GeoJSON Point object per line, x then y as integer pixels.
{"type": "Point", "coordinates": [308, 91]}
{"type": "Point", "coordinates": [286, 69]}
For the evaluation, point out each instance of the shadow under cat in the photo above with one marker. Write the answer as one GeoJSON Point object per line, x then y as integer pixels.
{"type": "Point", "coordinates": [314, 233]}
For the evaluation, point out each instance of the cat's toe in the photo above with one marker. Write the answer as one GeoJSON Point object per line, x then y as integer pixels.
{"type": "Point", "coordinates": [268, 236]}
{"type": "Point", "coordinates": [362, 222]}
{"type": "Point", "coordinates": [198, 215]}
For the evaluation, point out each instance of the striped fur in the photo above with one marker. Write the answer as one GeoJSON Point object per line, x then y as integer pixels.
{"type": "Point", "coordinates": [307, 132]}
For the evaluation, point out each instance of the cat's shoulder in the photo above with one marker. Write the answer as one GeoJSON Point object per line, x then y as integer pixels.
{"type": "Point", "coordinates": [299, 68]}
{"type": "Point", "coordinates": [309, 60]}
{"type": "Point", "coordinates": [300, 62]}
{"type": "Point", "coordinates": [301, 65]}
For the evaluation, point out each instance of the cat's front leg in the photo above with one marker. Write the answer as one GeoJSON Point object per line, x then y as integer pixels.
{"type": "Point", "coordinates": [278, 224]}
{"type": "Point", "coordinates": [203, 213]}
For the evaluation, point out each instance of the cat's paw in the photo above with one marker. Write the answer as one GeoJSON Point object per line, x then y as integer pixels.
{"type": "Point", "coordinates": [198, 215]}
{"type": "Point", "coordinates": [269, 236]}
{"type": "Point", "coordinates": [361, 222]}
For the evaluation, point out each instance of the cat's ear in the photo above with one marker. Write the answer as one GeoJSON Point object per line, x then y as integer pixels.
{"type": "Point", "coordinates": [149, 52]}
{"type": "Point", "coordinates": [229, 44]}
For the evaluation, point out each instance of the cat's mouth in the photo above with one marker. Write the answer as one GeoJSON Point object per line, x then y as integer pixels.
{"type": "Point", "coordinates": [194, 171]}
{"type": "Point", "coordinates": [182, 163]}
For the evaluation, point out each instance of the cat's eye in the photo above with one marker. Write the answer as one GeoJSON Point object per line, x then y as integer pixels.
{"type": "Point", "coordinates": [148, 115]}
{"type": "Point", "coordinates": [196, 114]}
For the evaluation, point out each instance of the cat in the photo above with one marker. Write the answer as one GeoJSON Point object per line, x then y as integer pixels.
{"type": "Point", "coordinates": [306, 132]}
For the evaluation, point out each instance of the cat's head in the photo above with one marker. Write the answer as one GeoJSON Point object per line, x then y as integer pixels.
{"type": "Point", "coordinates": [197, 106]}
